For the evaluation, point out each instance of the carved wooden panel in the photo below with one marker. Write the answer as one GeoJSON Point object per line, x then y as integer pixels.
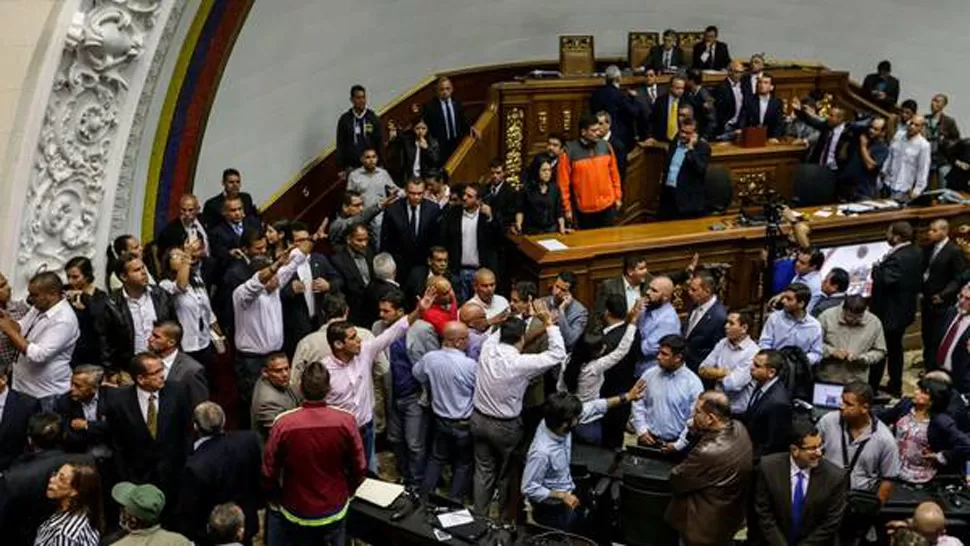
{"type": "Point", "coordinates": [639, 45]}
{"type": "Point", "coordinates": [577, 54]}
{"type": "Point", "coordinates": [687, 40]}
{"type": "Point", "coordinates": [513, 137]}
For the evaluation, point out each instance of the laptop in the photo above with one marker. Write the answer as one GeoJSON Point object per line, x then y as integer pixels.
{"type": "Point", "coordinates": [827, 395]}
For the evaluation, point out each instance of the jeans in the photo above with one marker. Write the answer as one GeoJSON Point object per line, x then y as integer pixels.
{"type": "Point", "coordinates": [557, 516]}
{"type": "Point", "coordinates": [47, 403]}
{"type": "Point", "coordinates": [248, 369]}
{"type": "Point", "coordinates": [495, 440]}
{"type": "Point", "coordinates": [452, 443]}
{"type": "Point", "coordinates": [367, 437]}
{"type": "Point", "coordinates": [334, 534]}
{"type": "Point", "coordinates": [408, 434]}
{"type": "Point", "coordinates": [275, 534]}
{"type": "Point", "coordinates": [466, 279]}
{"type": "Point", "coordinates": [590, 433]}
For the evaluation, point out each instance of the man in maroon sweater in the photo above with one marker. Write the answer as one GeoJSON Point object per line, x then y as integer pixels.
{"type": "Point", "coordinates": [313, 462]}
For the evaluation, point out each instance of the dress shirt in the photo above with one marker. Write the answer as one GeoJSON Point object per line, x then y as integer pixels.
{"type": "Point", "coordinates": [667, 402]}
{"type": "Point", "coordinates": [830, 158]}
{"type": "Point", "coordinates": [738, 103]}
{"type": "Point", "coordinates": [469, 238]}
{"type": "Point", "coordinates": [475, 342]}
{"type": "Point", "coordinates": [908, 166]}
{"type": "Point", "coordinates": [782, 330]}
{"type": "Point", "coordinates": [936, 250]}
{"type": "Point", "coordinates": [3, 402]}
{"type": "Point", "coordinates": [762, 107]}
{"type": "Point", "coordinates": [259, 314]}
{"type": "Point", "coordinates": [194, 311]}
{"type": "Point", "coordinates": [90, 408]}
{"type": "Point", "coordinates": [760, 390]}
{"type": "Point", "coordinates": [812, 279]}
{"type": "Point", "coordinates": [143, 397]}
{"type": "Point", "coordinates": [632, 293]}
{"type": "Point", "coordinates": [795, 471]}
{"type": "Point", "coordinates": [676, 162]}
{"type": "Point", "coordinates": [961, 327]}
{"type": "Point", "coordinates": [143, 317]}
{"type": "Point", "coordinates": [698, 313]}
{"type": "Point", "coordinates": [168, 361]}
{"type": "Point", "coordinates": [653, 325]}
{"type": "Point", "coordinates": [45, 369]}
{"type": "Point", "coordinates": [360, 261]}
{"type": "Point", "coordinates": [352, 383]}
{"type": "Point", "coordinates": [591, 375]}
{"type": "Point", "coordinates": [450, 374]}
{"type": "Point", "coordinates": [736, 358]}
{"type": "Point", "coordinates": [416, 166]}
{"type": "Point", "coordinates": [195, 230]}
{"type": "Point", "coordinates": [504, 373]}
{"type": "Point", "coordinates": [498, 305]}
{"type": "Point", "coordinates": [652, 93]}
{"type": "Point", "coordinates": [667, 57]}
{"type": "Point", "coordinates": [547, 466]}
{"type": "Point", "coordinates": [305, 274]}
{"type": "Point", "coordinates": [448, 113]}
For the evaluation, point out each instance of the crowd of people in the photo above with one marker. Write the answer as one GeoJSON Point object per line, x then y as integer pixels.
{"type": "Point", "coordinates": [412, 332]}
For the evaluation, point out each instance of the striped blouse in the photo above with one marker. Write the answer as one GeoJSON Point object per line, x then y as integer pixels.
{"type": "Point", "coordinates": [67, 529]}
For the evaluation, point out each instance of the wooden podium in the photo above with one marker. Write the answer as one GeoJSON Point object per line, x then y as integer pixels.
{"type": "Point", "coordinates": [753, 137]}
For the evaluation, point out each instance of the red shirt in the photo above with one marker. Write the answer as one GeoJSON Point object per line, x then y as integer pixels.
{"type": "Point", "coordinates": [438, 316]}
{"type": "Point", "coordinates": [315, 459]}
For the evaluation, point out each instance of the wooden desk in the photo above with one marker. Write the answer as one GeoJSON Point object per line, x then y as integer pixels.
{"type": "Point", "coordinates": [595, 255]}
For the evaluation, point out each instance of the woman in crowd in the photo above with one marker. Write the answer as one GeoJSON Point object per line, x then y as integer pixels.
{"type": "Point", "coordinates": [540, 205]}
{"type": "Point", "coordinates": [276, 234]}
{"type": "Point", "coordinates": [91, 305]}
{"type": "Point", "coordinates": [76, 490]}
{"type": "Point", "coordinates": [123, 244]}
{"type": "Point", "coordinates": [182, 279]}
{"type": "Point", "coordinates": [412, 152]}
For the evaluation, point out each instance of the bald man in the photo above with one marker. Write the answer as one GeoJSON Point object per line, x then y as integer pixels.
{"type": "Point", "coordinates": [187, 228]}
{"type": "Point", "coordinates": [445, 308]}
{"type": "Point", "coordinates": [943, 266]}
{"type": "Point", "coordinates": [659, 319]}
{"type": "Point", "coordinates": [473, 315]}
{"type": "Point", "coordinates": [496, 307]}
{"type": "Point", "coordinates": [929, 522]}
{"type": "Point", "coordinates": [906, 172]}
{"type": "Point", "coordinates": [728, 100]}
{"type": "Point", "coordinates": [450, 375]}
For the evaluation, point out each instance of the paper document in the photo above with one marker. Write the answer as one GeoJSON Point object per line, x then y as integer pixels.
{"type": "Point", "coordinates": [823, 213]}
{"type": "Point", "coordinates": [454, 519]}
{"type": "Point", "coordinates": [552, 244]}
{"type": "Point", "coordinates": [379, 493]}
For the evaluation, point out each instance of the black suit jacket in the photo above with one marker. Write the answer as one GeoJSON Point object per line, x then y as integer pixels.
{"type": "Point", "coordinates": [722, 57]}
{"type": "Point", "coordinates": [94, 323]}
{"type": "Point", "coordinates": [504, 204]}
{"type": "Point", "coordinates": [224, 468]}
{"type": "Point", "coordinates": [297, 321]}
{"type": "Point", "coordinates": [891, 88]}
{"type": "Point", "coordinates": [123, 339]}
{"type": "Point", "coordinates": [13, 425]}
{"type": "Point", "coordinates": [348, 151]}
{"type": "Point", "coordinates": [774, 117]}
{"type": "Point", "coordinates": [658, 117]}
{"type": "Point", "coordinates": [726, 104]}
{"type": "Point", "coordinates": [212, 211]}
{"type": "Point", "coordinates": [621, 107]}
{"type": "Point", "coordinates": [138, 457]}
{"type": "Point", "coordinates": [960, 359]}
{"type": "Point", "coordinates": [705, 112]}
{"type": "Point", "coordinates": [896, 283]}
{"type": "Point", "coordinates": [354, 287]}
{"type": "Point", "coordinates": [237, 272]}
{"type": "Point", "coordinates": [656, 56]}
{"type": "Point", "coordinates": [769, 421]}
{"type": "Point", "coordinates": [705, 335]}
{"type": "Point", "coordinates": [399, 239]}
{"type": "Point", "coordinates": [944, 274]}
{"type": "Point", "coordinates": [97, 433]}
{"type": "Point", "coordinates": [842, 147]}
{"type": "Point", "coordinates": [417, 281]}
{"type": "Point", "coordinates": [401, 153]}
{"type": "Point", "coordinates": [821, 512]}
{"type": "Point", "coordinates": [223, 239]}
{"type": "Point", "coordinates": [689, 193]}
{"type": "Point", "coordinates": [434, 117]}
{"type": "Point", "coordinates": [488, 233]}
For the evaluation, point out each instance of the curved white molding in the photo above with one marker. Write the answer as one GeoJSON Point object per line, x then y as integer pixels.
{"type": "Point", "coordinates": [78, 155]}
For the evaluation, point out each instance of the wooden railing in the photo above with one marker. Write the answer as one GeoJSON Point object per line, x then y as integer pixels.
{"type": "Point", "coordinates": [471, 158]}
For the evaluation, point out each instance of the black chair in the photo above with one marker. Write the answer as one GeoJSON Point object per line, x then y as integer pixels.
{"type": "Point", "coordinates": [813, 185]}
{"type": "Point", "coordinates": [642, 518]}
{"type": "Point", "coordinates": [718, 189]}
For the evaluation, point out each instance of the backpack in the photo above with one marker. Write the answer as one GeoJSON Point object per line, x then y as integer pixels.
{"type": "Point", "coordinates": [797, 374]}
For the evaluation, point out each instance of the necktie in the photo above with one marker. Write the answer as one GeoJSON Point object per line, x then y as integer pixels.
{"type": "Point", "coordinates": [948, 339]}
{"type": "Point", "coordinates": [823, 161]}
{"type": "Point", "coordinates": [667, 59]}
{"type": "Point", "coordinates": [653, 93]}
{"type": "Point", "coordinates": [152, 416]}
{"type": "Point", "coordinates": [710, 55]}
{"type": "Point", "coordinates": [237, 228]}
{"type": "Point", "coordinates": [413, 223]}
{"type": "Point", "coordinates": [936, 251]}
{"type": "Point", "coordinates": [450, 121]}
{"type": "Point", "coordinates": [797, 503]}
{"type": "Point", "coordinates": [754, 398]}
{"type": "Point", "coordinates": [672, 119]}
{"type": "Point", "coordinates": [358, 131]}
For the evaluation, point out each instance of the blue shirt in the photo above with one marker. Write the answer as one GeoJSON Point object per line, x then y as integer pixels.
{"type": "Point", "coordinates": [475, 342]}
{"type": "Point", "coordinates": [451, 376]}
{"type": "Point", "coordinates": [667, 402]}
{"type": "Point", "coordinates": [736, 359]}
{"type": "Point", "coordinates": [782, 330]}
{"type": "Point", "coordinates": [676, 162]}
{"type": "Point", "coordinates": [812, 279]}
{"type": "Point", "coordinates": [653, 325]}
{"type": "Point", "coordinates": [547, 466]}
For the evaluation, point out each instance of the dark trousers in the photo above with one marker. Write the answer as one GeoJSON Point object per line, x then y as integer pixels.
{"type": "Point", "coordinates": [593, 220]}
{"type": "Point", "coordinates": [894, 361]}
{"type": "Point", "coordinates": [452, 444]}
{"type": "Point", "coordinates": [249, 366]}
{"type": "Point", "coordinates": [334, 534]}
{"type": "Point", "coordinates": [407, 431]}
{"type": "Point", "coordinates": [495, 440]}
{"type": "Point", "coordinates": [931, 320]}
{"type": "Point", "coordinates": [558, 516]}
{"type": "Point", "coordinates": [590, 433]}
{"type": "Point", "coordinates": [207, 357]}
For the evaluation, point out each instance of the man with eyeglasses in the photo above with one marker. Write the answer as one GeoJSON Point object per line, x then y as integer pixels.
{"type": "Point", "coordinates": [815, 514]}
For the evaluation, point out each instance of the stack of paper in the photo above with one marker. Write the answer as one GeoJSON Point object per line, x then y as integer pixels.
{"type": "Point", "coordinates": [382, 494]}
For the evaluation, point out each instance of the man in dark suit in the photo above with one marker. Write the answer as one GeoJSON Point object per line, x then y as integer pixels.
{"type": "Point", "coordinates": [896, 282]}
{"type": "Point", "coordinates": [253, 245]}
{"type": "Point", "coordinates": [768, 417]}
{"type": "Point", "coordinates": [411, 227]}
{"type": "Point", "coordinates": [667, 56]}
{"type": "Point", "coordinates": [882, 87]}
{"type": "Point", "coordinates": [355, 265]}
{"type": "Point", "coordinates": [179, 366]}
{"type": "Point", "coordinates": [950, 344]}
{"type": "Point", "coordinates": [631, 285]}
{"type": "Point", "coordinates": [15, 410]}
{"type": "Point", "coordinates": [764, 109]}
{"type": "Point", "coordinates": [834, 138]}
{"type": "Point", "coordinates": [383, 283]}
{"type": "Point", "coordinates": [302, 297]}
{"type": "Point", "coordinates": [801, 504]}
{"type": "Point", "coordinates": [661, 128]}
{"type": "Point", "coordinates": [756, 69]}
{"type": "Point", "coordinates": [484, 229]}
{"type": "Point", "coordinates": [500, 195]}
{"type": "Point", "coordinates": [943, 267]}
{"type": "Point", "coordinates": [231, 184]}
{"type": "Point", "coordinates": [358, 129]}
{"type": "Point", "coordinates": [682, 192]}
{"type": "Point", "coordinates": [186, 228]}
{"type": "Point", "coordinates": [437, 265]}
{"type": "Point", "coordinates": [150, 424]}
{"type": "Point", "coordinates": [620, 378]}
{"type": "Point", "coordinates": [729, 101]}
{"type": "Point", "coordinates": [223, 467]}
{"type": "Point", "coordinates": [226, 234]}
{"type": "Point", "coordinates": [82, 412]}
{"type": "Point", "coordinates": [446, 119]}
{"type": "Point", "coordinates": [711, 54]}
{"type": "Point", "coordinates": [705, 323]}
{"type": "Point", "coordinates": [148, 300]}
{"type": "Point", "coordinates": [702, 102]}
{"type": "Point", "coordinates": [618, 103]}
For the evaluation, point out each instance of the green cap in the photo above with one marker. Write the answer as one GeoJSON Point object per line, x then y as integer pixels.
{"type": "Point", "coordinates": [144, 502]}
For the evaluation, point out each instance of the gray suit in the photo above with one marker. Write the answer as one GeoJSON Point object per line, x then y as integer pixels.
{"type": "Point", "coordinates": [187, 371]}
{"type": "Point", "coordinates": [572, 321]}
{"type": "Point", "coordinates": [268, 403]}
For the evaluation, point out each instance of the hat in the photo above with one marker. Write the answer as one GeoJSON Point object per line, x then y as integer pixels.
{"type": "Point", "coordinates": [144, 502]}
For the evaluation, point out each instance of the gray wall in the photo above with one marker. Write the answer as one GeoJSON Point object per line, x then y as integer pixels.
{"type": "Point", "coordinates": [288, 78]}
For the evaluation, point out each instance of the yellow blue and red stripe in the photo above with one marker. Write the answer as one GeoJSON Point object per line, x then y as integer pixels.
{"type": "Point", "coordinates": [191, 90]}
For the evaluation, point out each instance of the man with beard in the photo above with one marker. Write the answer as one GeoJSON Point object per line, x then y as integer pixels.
{"type": "Point", "coordinates": [660, 419]}
{"type": "Point", "coordinates": [658, 321]}
{"type": "Point", "coordinates": [589, 178]}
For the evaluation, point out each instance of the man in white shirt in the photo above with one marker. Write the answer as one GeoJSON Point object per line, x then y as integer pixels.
{"type": "Point", "coordinates": [45, 338]}
{"type": "Point", "coordinates": [496, 307]}
{"type": "Point", "coordinates": [906, 172]}
{"type": "Point", "coordinates": [728, 365]}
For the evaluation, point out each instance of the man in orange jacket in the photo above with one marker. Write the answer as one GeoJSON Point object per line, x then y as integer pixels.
{"type": "Point", "coordinates": [589, 179]}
